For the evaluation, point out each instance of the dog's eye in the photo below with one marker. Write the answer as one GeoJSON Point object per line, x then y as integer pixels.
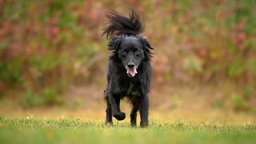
{"type": "Point", "coordinates": [124, 53]}
{"type": "Point", "coordinates": [137, 53]}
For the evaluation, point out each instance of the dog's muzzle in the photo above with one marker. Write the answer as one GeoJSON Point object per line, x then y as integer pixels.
{"type": "Point", "coordinates": [131, 70]}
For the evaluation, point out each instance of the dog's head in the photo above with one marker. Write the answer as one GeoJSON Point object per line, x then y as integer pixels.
{"type": "Point", "coordinates": [131, 51]}
{"type": "Point", "coordinates": [128, 46]}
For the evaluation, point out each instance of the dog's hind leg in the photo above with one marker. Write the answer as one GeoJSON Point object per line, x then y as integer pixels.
{"type": "Point", "coordinates": [144, 111]}
{"type": "Point", "coordinates": [133, 115]}
{"type": "Point", "coordinates": [108, 113]}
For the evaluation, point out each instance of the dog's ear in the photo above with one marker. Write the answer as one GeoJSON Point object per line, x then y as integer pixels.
{"type": "Point", "coordinates": [146, 45]}
{"type": "Point", "coordinates": [115, 42]}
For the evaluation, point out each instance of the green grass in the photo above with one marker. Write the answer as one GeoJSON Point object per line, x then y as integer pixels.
{"type": "Point", "coordinates": [77, 131]}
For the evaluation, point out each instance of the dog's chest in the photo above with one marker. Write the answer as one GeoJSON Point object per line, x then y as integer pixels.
{"type": "Point", "coordinates": [131, 90]}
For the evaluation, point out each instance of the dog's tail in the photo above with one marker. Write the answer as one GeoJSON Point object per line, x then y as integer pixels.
{"type": "Point", "coordinates": [120, 25]}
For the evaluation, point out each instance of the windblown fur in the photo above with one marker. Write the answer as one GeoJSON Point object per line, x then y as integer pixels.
{"type": "Point", "coordinates": [120, 25]}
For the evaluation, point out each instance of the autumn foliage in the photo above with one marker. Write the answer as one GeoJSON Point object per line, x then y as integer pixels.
{"type": "Point", "coordinates": [47, 45]}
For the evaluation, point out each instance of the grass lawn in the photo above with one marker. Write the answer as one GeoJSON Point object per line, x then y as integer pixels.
{"type": "Point", "coordinates": [36, 131]}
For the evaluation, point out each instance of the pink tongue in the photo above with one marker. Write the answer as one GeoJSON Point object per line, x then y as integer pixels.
{"type": "Point", "coordinates": [132, 72]}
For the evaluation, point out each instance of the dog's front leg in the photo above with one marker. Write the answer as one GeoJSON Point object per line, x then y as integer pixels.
{"type": "Point", "coordinates": [108, 113]}
{"type": "Point", "coordinates": [144, 111]}
{"type": "Point", "coordinates": [115, 106]}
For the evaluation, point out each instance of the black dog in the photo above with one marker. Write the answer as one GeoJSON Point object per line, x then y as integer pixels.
{"type": "Point", "coordinates": [129, 71]}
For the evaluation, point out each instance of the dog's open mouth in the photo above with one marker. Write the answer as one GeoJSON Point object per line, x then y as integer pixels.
{"type": "Point", "coordinates": [131, 72]}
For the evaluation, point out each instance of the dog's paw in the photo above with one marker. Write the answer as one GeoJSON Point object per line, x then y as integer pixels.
{"type": "Point", "coordinates": [144, 125]}
{"type": "Point", "coordinates": [108, 124]}
{"type": "Point", "coordinates": [119, 116]}
{"type": "Point", "coordinates": [133, 124]}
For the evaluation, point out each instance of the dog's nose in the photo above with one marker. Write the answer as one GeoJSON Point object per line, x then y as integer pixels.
{"type": "Point", "coordinates": [131, 65]}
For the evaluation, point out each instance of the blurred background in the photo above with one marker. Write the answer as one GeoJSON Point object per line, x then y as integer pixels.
{"type": "Point", "coordinates": [53, 58]}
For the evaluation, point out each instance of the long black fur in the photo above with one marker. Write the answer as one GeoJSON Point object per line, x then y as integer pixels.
{"type": "Point", "coordinates": [129, 49]}
{"type": "Point", "coordinates": [120, 25]}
